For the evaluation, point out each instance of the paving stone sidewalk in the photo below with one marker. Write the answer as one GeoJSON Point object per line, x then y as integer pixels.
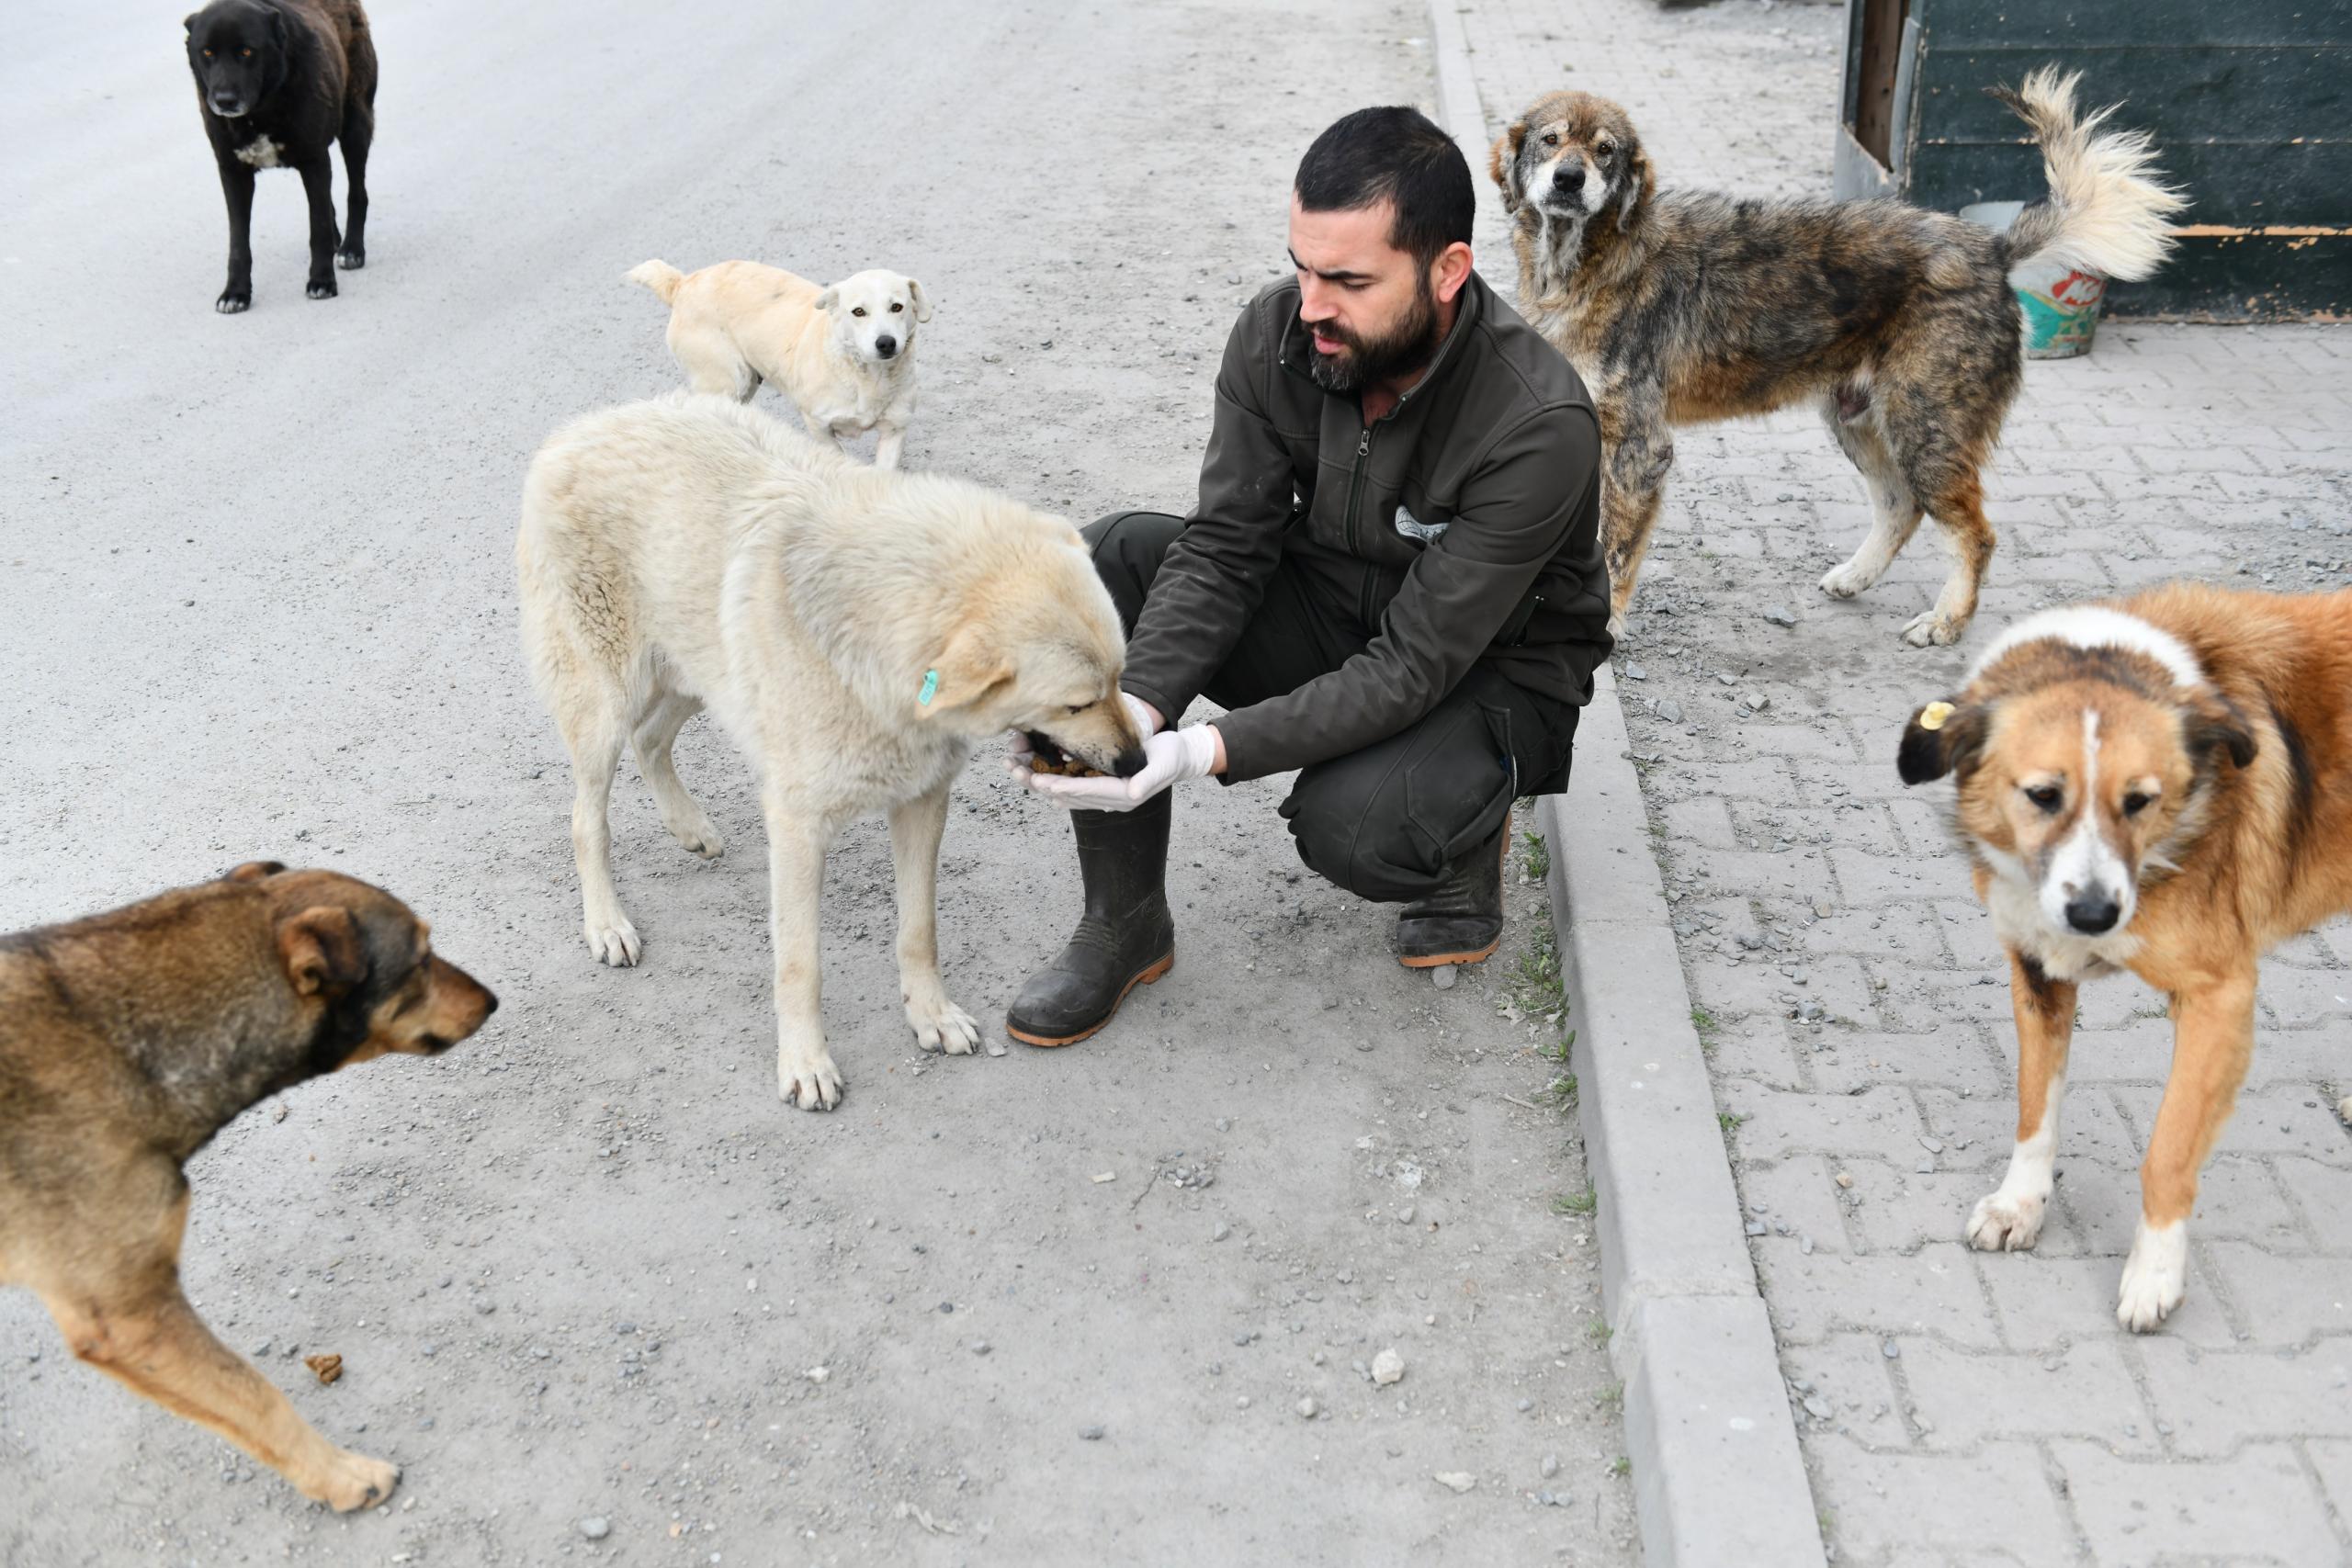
{"type": "Point", "coordinates": [1956, 1407]}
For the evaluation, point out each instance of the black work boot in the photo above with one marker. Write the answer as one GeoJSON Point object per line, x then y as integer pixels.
{"type": "Point", "coordinates": [1461, 921]}
{"type": "Point", "coordinates": [1124, 939]}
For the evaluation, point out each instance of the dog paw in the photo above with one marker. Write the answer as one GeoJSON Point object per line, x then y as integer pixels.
{"type": "Point", "coordinates": [320, 288]}
{"type": "Point", "coordinates": [351, 258]}
{"type": "Point", "coordinates": [1929, 629]}
{"type": "Point", "coordinates": [232, 301]}
{"type": "Point", "coordinates": [2006, 1222]}
{"type": "Point", "coordinates": [614, 941]}
{"type": "Point", "coordinates": [2156, 1277]}
{"type": "Point", "coordinates": [1617, 626]}
{"type": "Point", "coordinates": [701, 838]}
{"type": "Point", "coordinates": [941, 1025]}
{"type": "Point", "coordinates": [347, 1480]}
{"type": "Point", "coordinates": [1846, 581]}
{"type": "Point", "coordinates": [809, 1079]}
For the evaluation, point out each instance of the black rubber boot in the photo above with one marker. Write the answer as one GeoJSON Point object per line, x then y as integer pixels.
{"type": "Point", "coordinates": [1461, 921]}
{"type": "Point", "coordinates": [1125, 938]}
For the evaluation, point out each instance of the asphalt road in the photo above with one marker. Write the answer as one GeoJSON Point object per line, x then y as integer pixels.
{"type": "Point", "coordinates": [256, 596]}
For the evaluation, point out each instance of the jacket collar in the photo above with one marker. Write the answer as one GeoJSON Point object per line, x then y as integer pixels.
{"type": "Point", "coordinates": [1470, 305]}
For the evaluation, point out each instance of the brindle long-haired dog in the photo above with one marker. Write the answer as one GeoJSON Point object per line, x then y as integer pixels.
{"type": "Point", "coordinates": [127, 1041]}
{"type": "Point", "coordinates": [1682, 307]}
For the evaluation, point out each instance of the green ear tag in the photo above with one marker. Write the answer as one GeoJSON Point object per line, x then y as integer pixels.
{"type": "Point", "coordinates": [930, 687]}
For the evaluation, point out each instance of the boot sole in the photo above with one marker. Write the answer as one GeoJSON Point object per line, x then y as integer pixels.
{"type": "Point", "coordinates": [1147, 977]}
{"type": "Point", "coordinates": [1433, 960]}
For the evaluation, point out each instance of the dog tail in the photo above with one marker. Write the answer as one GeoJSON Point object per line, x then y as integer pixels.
{"type": "Point", "coordinates": [2106, 207]}
{"type": "Point", "coordinates": [660, 276]}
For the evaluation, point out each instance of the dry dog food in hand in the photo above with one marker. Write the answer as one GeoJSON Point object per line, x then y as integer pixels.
{"type": "Point", "coordinates": [1051, 759]}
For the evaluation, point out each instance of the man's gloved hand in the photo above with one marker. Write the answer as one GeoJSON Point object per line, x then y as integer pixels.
{"type": "Point", "coordinates": [1171, 757]}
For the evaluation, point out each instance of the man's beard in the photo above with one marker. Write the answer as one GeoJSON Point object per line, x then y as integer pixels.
{"type": "Point", "coordinates": [1360, 364]}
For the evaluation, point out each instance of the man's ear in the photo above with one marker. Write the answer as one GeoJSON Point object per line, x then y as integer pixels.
{"type": "Point", "coordinates": [1639, 177]}
{"type": "Point", "coordinates": [2213, 722]}
{"type": "Point", "coordinates": [922, 301]}
{"type": "Point", "coordinates": [828, 297]}
{"type": "Point", "coordinates": [969, 671]}
{"type": "Point", "coordinates": [1451, 270]}
{"type": "Point", "coordinates": [1502, 165]}
{"type": "Point", "coordinates": [322, 950]}
{"type": "Point", "coordinates": [253, 871]}
{"type": "Point", "coordinates": [1942, 736]}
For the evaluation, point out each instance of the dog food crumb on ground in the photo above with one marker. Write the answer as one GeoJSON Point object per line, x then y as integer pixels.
{"type": "Point", "coordinates": [327, 1367]}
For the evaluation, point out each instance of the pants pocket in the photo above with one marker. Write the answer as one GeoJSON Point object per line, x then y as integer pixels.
{"type": "Point", "coordinates": [1458, 792]}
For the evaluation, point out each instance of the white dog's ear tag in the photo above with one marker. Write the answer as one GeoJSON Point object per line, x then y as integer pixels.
{"type": "Point", "coordinates": [1933, 716]}
{"type": "Point", "coordinates": [930, 687]}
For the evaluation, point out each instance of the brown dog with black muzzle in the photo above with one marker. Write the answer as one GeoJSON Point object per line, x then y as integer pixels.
{"type": "Point", "coordinates": [2163, 786]}
{"type": "Point", "coordinates": [127, 1041]}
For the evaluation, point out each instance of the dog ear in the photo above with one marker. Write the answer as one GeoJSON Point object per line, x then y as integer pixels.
{"type": "Point", "coordinates": [2213, 722]}
{"type": "Point", "coordinates": [322, 950]}
{"type": "Point", "coordinates": [922, 301]}
{"type": "Point", "coordinates": [1502, 165]}
{"type": "Point", "coordinates": [188, 23]}
{"type": "Point", "coordinates": [969, 672]}
{"type": "Point", "coordinates": [1942, 736]}
{"type": "Point", "coordinates": [1638, 179]}
{"type": "Point", "coordinates": [253, 871]}
{"type": "Point", "coordinates": [828, 297]}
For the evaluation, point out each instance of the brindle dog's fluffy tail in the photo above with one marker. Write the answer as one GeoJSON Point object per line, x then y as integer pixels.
{"type": "Point", "coordinates": [660, 276]}
{"type": "Point", "coordinates": [2107, 209]}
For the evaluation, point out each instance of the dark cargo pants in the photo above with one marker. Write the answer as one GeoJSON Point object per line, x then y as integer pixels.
{"type": "Point", "coordinates": [1384, 822]}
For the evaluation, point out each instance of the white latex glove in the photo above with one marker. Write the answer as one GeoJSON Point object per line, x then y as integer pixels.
{"type": "Point", "coordinates": [1019, 757]}
{"type": "Point", "coordinates": [1171, 757]}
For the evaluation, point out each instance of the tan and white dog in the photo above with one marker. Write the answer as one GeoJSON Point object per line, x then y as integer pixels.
{"type": "Point", "coordinates": [2163, 786]}
{"type": "Point", "coordinates": [844, 353]}
{"type": "Point", "coordinates": [854, 631]}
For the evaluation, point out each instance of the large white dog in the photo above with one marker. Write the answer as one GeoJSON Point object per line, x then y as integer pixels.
{"type": "Point", "coordinates": [853, 631]}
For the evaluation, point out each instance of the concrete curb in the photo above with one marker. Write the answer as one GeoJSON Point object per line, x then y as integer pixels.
{"type": "Point", "coordinates": [1717, 1474]}
{"type": "Point", "coordinates": [1718, 1478]}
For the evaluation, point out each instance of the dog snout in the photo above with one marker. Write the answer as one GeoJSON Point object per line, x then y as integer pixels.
{"type": "Point", "coordinates": [228, 105]}
{"type": "Point", "coordinates": [886, 345]}
{"type": "Point", "coordinates": [2093, 912]}
{"type": "Point", "coordinates": [1568, 179]}
{"type": "Point", "coordinates": [1129, 764]}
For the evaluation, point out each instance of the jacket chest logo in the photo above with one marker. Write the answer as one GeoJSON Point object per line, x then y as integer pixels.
{"type": "Point", "coordinates": [1412, 527]}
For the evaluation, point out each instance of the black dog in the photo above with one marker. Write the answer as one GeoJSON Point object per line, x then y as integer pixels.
{"type": "Point", "coordinates": [280, 81]}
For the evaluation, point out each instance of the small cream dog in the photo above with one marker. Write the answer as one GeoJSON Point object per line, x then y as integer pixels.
{"type": "Point", "coordinates": [853, 631]}
{"type": "Point", "coordinates": [844, 353]}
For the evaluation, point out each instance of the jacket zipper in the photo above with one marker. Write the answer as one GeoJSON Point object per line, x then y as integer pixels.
{"type": "Point", "coordinates": [1355, 539]}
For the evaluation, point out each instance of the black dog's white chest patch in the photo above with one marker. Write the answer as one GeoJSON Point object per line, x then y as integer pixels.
{"type": "Point", "coordinates": [261, 152]}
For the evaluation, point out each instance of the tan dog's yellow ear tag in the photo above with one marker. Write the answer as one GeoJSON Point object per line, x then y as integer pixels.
{"type": "Point", "coordinates": [1932, 717]}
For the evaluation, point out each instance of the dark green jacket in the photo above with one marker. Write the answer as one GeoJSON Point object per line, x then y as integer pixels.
{"type": "Point", "coordinates": [1463, 525]}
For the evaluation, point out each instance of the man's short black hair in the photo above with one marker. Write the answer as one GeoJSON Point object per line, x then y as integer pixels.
{"type": "Point", "coordinates": [1393, 153]}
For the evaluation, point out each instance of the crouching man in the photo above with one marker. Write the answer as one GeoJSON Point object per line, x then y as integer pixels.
{"type": "Point", "coordinates": [1393, 582]}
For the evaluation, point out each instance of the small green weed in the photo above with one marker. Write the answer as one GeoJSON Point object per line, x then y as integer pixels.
{"type": "Point", "coordinates": [1535, 856]}
{"type": "Point", "coordinates": [1621, 1467]}
{"type": "Point", "coordinates": [1583, 1203]}
{"type": "Point", "coordinates": [1729, 1120]}
{"type": "Point", "coordinates": [1611, 1398]}
{"type": "Point", "coordinates": [1598, 1331]}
